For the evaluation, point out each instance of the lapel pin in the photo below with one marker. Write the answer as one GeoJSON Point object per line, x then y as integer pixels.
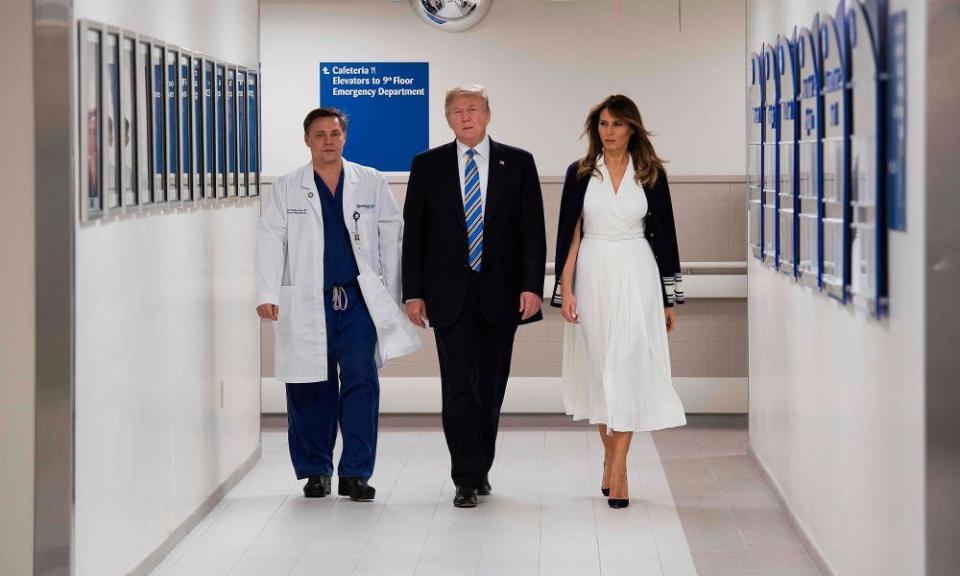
{"type": "Point", "coordinates": [502, 163]}
{"type": "Point", "coordinates": [309, 194]}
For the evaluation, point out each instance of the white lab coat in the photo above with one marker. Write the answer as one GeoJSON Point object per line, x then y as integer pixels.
{"type": "Point", "coordinates": [290, 267]}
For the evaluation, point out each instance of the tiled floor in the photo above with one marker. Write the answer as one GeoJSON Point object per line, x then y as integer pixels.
{"type": "Point", "coordinates": [731, 520]}
{"type": "Point", "coordinates": [698, 506]}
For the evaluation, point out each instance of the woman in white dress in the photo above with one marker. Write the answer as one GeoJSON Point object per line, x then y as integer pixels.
{"type": "Point", "coordinates": [618, 277]}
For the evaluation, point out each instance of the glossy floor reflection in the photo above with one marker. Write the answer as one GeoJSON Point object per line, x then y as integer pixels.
{"type": "Point", "coordinates": [698, 507]}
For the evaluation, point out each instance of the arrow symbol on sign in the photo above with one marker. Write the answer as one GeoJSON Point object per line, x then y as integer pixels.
{"type": "Point", "coordinates": [326, 70]}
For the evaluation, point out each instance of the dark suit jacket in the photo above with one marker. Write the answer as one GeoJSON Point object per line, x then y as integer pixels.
{"type": "Point", "coordinates": [660, 231]}
{"type": "Point", "coordinates": [435, 235]}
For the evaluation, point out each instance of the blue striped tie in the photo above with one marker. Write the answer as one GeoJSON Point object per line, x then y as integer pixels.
{"type": "Point", "coordinates": [473, 210]}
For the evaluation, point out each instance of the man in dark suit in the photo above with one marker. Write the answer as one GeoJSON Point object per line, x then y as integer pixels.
{"type": "Point", "coordinates": [474, 249]}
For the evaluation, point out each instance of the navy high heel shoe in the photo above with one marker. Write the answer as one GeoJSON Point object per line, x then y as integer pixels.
{"type": "Point", "coordinates": [605, 490]}
{"type": "Point", "coordinates": [617, 503]}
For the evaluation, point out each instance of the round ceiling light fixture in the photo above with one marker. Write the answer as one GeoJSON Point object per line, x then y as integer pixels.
{"type": "Point", "coordinates": [451, 15]}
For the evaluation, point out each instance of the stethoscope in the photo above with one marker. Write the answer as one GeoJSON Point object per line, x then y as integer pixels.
{"type": "Point", "coordinates": [339, 294]}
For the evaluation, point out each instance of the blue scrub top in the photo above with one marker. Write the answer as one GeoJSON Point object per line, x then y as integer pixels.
{"type": "Point", "coordinates": [339, 265]}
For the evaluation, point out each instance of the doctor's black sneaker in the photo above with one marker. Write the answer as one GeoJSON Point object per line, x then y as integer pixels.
{"type": "Point", "coordinates": [317, 486]}
{"type": "Point", "coordinates": [356, 488]}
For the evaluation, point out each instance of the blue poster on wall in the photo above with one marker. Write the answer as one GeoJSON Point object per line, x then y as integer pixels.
{"type": "Point", "coordinates": [897, 123]}
{"type": "Point", "coordinates": [387, 108]}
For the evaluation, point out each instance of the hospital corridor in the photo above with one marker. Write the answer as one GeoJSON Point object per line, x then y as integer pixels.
{"type": "Point", "coordinates": [479, 288]}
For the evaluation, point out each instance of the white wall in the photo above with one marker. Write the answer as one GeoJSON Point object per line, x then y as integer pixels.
{"type": "Point", "coordinates": [544, 65]}
{"type": "Point", "coordinates": [836, 400]}
{"type": "Point", "coordinates": [17, 285]}
{"type": "Point", "coordinates": [164, 314]}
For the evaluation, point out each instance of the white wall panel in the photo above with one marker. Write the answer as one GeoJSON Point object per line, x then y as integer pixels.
{"type": "Point", "coordinates": [167, 358]}
{"type": "Point", "coordinates": [836, 399]}
{"type": "Point", "coordinates": [544, 65]}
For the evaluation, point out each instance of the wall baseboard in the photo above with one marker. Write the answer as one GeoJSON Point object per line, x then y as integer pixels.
{"type": "Point", "coordinates": [154, 558]}
{"type": "Point", "coordinates": [403, 177]}
{"type": "Point", "coordinates": [812, 550]}
{"type": "Point", "coordinates": [526, 395]}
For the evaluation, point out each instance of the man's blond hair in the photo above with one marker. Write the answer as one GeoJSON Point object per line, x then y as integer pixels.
{"type": "Point", "coordinates": [474, 90]}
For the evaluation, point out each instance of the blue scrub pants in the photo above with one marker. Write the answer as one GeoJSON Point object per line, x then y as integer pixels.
{"type": "Point", "coordinates": [314, 409]}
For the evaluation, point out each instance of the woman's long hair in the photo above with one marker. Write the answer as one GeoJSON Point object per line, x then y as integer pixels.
{"type": "Point", "coordinates": [646, 163]}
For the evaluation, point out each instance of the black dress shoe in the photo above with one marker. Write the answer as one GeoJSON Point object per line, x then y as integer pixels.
{"type": "Point", "coordinates": [484, 488]}
{"type": "Point", "coordinates": [617, 503]}
{"type": "Point", "coordinates": [317, 486]}
{"type": "Point", "coordinates": [356, 488]}
{"type": "Point", "coordinates": [466, 497]}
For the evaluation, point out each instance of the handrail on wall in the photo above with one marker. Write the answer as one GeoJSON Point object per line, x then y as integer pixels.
{"type": "Point", "coordinates": [701, 279]}
{"type": "Point", "coordinates": [690, 268]}
{"type": "Point", "coordinates": [714, 265]}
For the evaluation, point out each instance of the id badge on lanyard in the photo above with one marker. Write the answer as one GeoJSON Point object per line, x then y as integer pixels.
{"type": "Point", "coordinates": [356, 228]}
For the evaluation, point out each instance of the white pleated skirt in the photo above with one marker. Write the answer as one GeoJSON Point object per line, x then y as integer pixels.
{"type": "Point", "coordinates": [616, 361]}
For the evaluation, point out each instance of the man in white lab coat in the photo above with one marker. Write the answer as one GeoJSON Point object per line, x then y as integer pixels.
{"type": "Point", "coordinates": [328, 274]}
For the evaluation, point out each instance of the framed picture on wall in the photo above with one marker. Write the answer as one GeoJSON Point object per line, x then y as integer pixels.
{"type": "Point", "coordinates": [111, 129]}
{"type": "Point", "coordinates": [221, 129]}
{"type": "Point", "coordinates": [836, 160]}
{"type": "Point", "coordinates": [771, 156]}
{"type": "Point", "coordinates": [91, 121]}
{"type": "Point", "coordinates": [185, 128]}
{"type": "Point", "coordinates": [789, 134]}
{"type": "Point", "coordinates": [231, 127]}
{"type": "Point", "coordinates": [253, 133]}
{"type": "Point", "coordinates": [211, 180]}
{"type": "Point", "coordinates": [241, 132]}
{"type": "Point", "coordinates": [867, 162]}
{"type": "Point", "coordinates": [161, 124]}
{"type": "Point", "coordinates": [143, 90]}
{"type": "Point", "coordinates": [129, 181]}
{"type": "Point", "coordinates": [755, 115]}
{"type": "Point", "coordinates": [172, 82]}
{"type": "Point", "coordinates": [810, 156]}
{"type": "Point", "coordinates": [159, 121]}
{"type": "Point", "coordinates": [197, 133]}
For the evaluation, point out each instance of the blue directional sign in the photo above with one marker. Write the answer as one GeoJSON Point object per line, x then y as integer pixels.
{"type": "Point", "coordinates": [387, 108]}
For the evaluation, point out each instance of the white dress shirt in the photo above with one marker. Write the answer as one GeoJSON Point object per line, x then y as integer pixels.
{"type": "Point", "coordinates": [482, 158]}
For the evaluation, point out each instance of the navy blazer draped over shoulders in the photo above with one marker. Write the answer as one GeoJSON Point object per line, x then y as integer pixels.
{"type": "Point", "coordinates": [659, 230]}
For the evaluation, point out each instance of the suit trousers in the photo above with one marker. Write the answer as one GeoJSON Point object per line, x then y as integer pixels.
{"type": "Point", "coordinates": [350, 399]}
{"type": "Point", "coordinates": [474, 366]}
